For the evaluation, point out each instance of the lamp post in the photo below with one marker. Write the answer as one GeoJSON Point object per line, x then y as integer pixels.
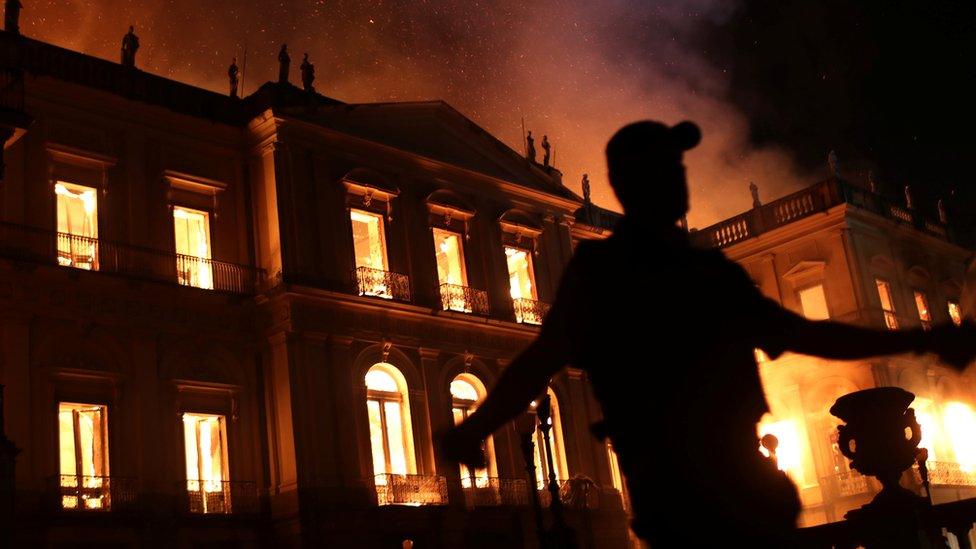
{"type": "Point", "coordinates": [525, 426]}
{"type": "Point", "coordinates": [561, 535]}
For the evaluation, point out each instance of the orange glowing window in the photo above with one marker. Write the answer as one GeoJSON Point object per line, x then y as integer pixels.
{"type": "Point", "coordinates": [369, 239]}
{"type": "Point", "coordinates": [922, 306]}
{"type": "Point", "coordinates": [954, 312]}
{"type": "Point", "coordinates": [205, 446]}
{"type": "Point", "coordinates": [887, 304]}
{"type": "Point", "coordinates": [960, 425]}
{"type": "Point", "coordinates": [77, 208]}
{"type": "Point", "coordinates": [521, 275]}
{"type": "Point", "coordinates": [388, 412]}
{"type": "Point", "coordinates": [616, 477]}
{"type": "Point", "coordinates": [813, 300]}
{"type": "Point", "coordinates": [449, 250]}
{"type": "Point", "coordinates": [83, 442]}
{"type": "Point", "coordinates": [466, 393]}
{"type": "Point", "coordinates": [556, 443]}
{"type": "Point", "coordinates": [191, 230]}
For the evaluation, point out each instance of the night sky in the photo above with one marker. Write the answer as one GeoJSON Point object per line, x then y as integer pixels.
{"type": "Point", "coordinates": [774, 84]}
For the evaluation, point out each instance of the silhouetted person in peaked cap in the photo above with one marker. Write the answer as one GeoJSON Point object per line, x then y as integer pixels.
{"type": "Point", "coordinates": [666, 334]}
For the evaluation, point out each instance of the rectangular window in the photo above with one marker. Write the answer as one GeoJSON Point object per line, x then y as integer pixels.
{"type": "Point", "coordinates": [887, 304]}
{"type": "Point", "coordinates": [83, 441]}
{"type": "Point", "coordinates": [192, 232]}
{"type": "Point", "coordinates": [954, 313]}
{"type": "Point", "coordinates": [369, 244]}
{"type": "Point", "coordinates": [813, 300]}
{"type": "Point", "coordinates": [922, 306]}
{"type": "Point", "coordinates": [448, 247]}
{"type": "Point", "coordinates": [77, 208]}
{"type": "Point", "coordinates": [369, 240]}
{"type": "Point", "coordinates": [204, 438]}
{"type": "Point", "coordinates": [520, 273]}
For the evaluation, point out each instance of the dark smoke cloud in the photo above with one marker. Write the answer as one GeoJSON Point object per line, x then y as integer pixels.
{"type": "Point", "coordinates": [576, 71]}
{"type": "Point", "coordinates": [888, 84]}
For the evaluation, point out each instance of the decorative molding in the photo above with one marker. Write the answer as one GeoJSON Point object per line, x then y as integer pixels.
{"type": "Point", "coordinates": [193, 183]}
{"type": "Point", "coordinates": [74, 156]}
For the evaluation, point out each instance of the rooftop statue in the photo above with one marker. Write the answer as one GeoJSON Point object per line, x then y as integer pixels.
{"type": "Point", "coordinates": [130, 45]}
{"type": "Point", "coordinates": [11, 16]}
{"type": "Point", "coordinates": [308, 75]}
{"type": "Point", "coordinates": [233, 76]}
{"type": "Point", "coordinates": [284, 62]}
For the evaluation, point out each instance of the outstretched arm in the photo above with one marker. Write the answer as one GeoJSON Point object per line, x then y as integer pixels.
{"type": "Point", "coordinates": [955, 345]}
{"type": "Point", "coordinates": [524, 379]}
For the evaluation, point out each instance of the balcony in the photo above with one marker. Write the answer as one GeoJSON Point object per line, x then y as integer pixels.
{"type": "Point", "coordinates": [808, 202]}
{"type": "Point", "coordinates": [48, 247]}
{"type": "Point", "coordinates": [847, 484]}
{"type": "Point", "coordinates": [384, 284]}
{"type": "Point", "coordinates": [214, 497]}
{"type": "Point", "coordinates": [946, 473]}
{"type": "Point", "coordinates": [529, 311]}
{"type": "Point", "coordinates": [577, 493]}
{"type": "Point", "coordinates": [76, 493]}
{"type": "Point", "coordinates": [496, 491]}
{"type": "Point", "coordinates": [464, 299]}
{"type": "Point", "coordinates": [410, 490]}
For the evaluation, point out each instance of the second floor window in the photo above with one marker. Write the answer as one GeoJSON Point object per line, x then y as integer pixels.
{"type": "Point", "coordinates": [204, 438]}
{"type": "Point", "coordinates": [955, 313]}
{"type": "Point", "coordinates": [887, 304]}
{"type": "Point", "coordinates": [83, 441]}
{"type": "Point", "coordinates": [449, 251]}
{"type": "Point", "coordinates": [77, 211]}
{"type": "Point", "coordinates": [521, 275]}
{"type": "Point", "coordinates": [192, 236]}
{"type": "Point", "coordinates": [813, 300]}
{"type": "Point", "coordinates": [369, 246]}
{"type": "Point", "coordinates": [922, 306]}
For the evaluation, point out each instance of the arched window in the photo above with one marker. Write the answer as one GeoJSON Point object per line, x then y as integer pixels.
{"type": "Point", "coordinates": [467, 392]}
{"type": "Point", "coordinates": [390, 435]}
{"type": "Point", "coordinates": [558, 451]}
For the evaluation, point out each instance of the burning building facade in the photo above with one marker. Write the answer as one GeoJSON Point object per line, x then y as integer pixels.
{"type": "Point", "coordinates": [240, 322]}
{"type": "Point", "coordinates": [840, 251]}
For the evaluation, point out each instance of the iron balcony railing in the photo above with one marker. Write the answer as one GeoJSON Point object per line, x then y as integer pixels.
{"type": "Point", "coordinates": [529, 311]}
{"type": "Point", "coordinates": [68, 250]}
{"type": "Point", "coordinates": [580, 493]}
{"type": "Point", "coordinates": [847, 484]}
{"type": "Point", "coordinates": [410, 490]}
{"type": "Point", "coordinates": [495, 491]}
{"type": "Point", "coordinates": [464, 299]}
{"type": "Point", "coordinates": [214, 497]}
{"type": "Point", "coordinates": [93, 493]}
{"type": "Point", "coordinates": [946, 473]}
{"type": "Point", "coordinates": [384, 284]}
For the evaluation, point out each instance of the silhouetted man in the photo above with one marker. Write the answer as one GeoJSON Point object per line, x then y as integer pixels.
{"type": "Point", "coordinates": [666, 334]}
